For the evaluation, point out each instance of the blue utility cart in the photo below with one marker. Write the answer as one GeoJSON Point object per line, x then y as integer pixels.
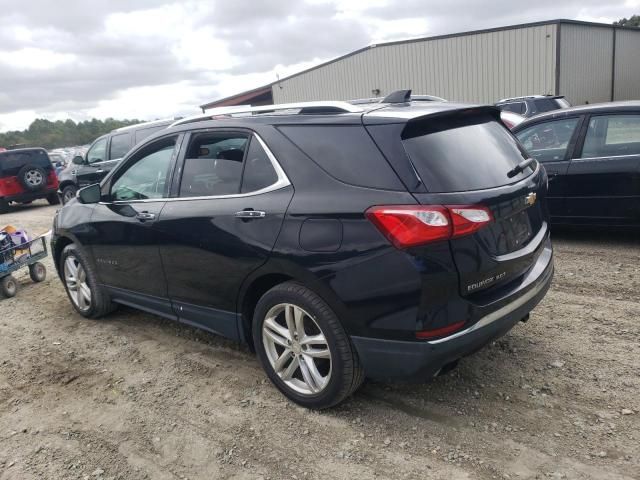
{"type": "Point", "coordinates": [16, 257]}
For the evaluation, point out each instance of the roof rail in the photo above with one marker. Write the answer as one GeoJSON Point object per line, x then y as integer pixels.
{"type": "Point", "coordinates": [302, 108]}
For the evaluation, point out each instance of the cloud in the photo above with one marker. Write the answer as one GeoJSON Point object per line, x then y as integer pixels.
{"type": "Point", "coordinates": [150, 58]}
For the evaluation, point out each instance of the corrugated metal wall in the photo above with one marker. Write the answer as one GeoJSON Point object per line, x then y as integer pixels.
{"type": "Point", "coordinates": [586, 62]}
{"type": "Point", "coordinates": [478, 68]}
{"type": "Point", "coordinates": [627, 79]}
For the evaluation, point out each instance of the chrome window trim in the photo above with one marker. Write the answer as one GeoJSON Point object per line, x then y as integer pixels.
{"type": "Point", "coordinates": [281, 182]}
{"type": "Point", "coordinates": [602, 159]}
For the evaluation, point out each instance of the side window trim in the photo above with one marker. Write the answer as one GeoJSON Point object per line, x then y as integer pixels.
{"type": "Point", "coordinates": [282, 181]}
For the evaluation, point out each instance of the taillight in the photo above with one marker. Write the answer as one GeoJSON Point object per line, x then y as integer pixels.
{"type": "Point", "coordinates": [410, 225]}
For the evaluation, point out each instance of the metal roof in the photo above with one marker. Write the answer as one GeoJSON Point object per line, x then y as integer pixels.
{"type": "Point", "coordinates": [423, 39]}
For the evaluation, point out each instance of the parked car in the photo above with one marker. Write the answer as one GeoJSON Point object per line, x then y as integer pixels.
{"type": "Point", "coordinates": [58, 161]}
{"type": "Point", "coordinates": [533, 104]}
{"type": "Point", "coordinates": [510, 119]}
{"type": "Point", "coordinates": [26, 174]}
{"type": "Point", "coordinates": [592, 156]}
{"type": "Point", "coordinates": [339, 241]}
{"type": "Point", "coordinates": [102, 156]}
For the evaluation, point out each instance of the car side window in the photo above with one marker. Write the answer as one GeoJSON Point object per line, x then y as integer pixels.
{"type": "Point", "coordinates": [98, 151]}
{"type": "Point", "coordinates": [612, 135]}
{"type": "Point", "coordinates": [120, 145]}
{"type": "Point", "coordinates": [545, 105]}
{"type": "Point", "coordinates": [515, 107]}
{"type": "Point", "coordinates": [147, 176]}
{"type": "Point", "coordinates": [258, 170]}
{"type": "Point", "coordinates": [213, 164]}
{"type": "Point", "coordinates": [548, 141]}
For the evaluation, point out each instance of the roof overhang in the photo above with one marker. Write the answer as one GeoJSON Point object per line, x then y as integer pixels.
{"type": "Point", "coordinates": [243, 98]}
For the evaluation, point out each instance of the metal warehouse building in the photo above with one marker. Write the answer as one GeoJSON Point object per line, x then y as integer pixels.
{"type": "Point", "coordinates": [586, 62]}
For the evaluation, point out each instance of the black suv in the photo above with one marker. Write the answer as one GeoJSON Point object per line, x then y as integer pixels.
{"type": "Point", "coordinates": [26, 174]}
{"type": "Point", "coordinates": [533, 105]}
{"type": "Point", "coordinates": [104, 154]}
{"type": "Point", "coordinates": [338, 241]}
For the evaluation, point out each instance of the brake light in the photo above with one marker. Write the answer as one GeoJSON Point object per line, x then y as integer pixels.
{"type": "Point", "coordinates": [410, 225]}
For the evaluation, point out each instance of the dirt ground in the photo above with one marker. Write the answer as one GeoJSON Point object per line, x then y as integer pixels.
{"type": "Point", "coordinates": [134, 396]}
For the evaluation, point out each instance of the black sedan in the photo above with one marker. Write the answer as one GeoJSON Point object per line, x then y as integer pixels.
{"type": "Point", "coordinates": [592, 157]}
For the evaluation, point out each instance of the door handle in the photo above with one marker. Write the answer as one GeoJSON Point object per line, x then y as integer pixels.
{"type": "Point", "coordinates": [99, 170]}
{"type": "Point", "coordinates": [250, 214]}
{"type": "Point", "coordinates": [144, 216]}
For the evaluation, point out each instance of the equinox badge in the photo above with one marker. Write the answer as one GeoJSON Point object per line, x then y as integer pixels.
{"type": "Point", "coordinates": [530, 199]}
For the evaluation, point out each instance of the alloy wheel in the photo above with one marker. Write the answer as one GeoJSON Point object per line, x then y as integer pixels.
{"type": "Point", "coordinates": [75, 278]}
{"type": "Point", "coordinates": [33, 178]}
{"type": "Point", "coordinates": [297, 349]}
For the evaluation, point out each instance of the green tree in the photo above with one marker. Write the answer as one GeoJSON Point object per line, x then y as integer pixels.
{"type": "Point", "coordinates": [48, 134]}
{"type": "Point", "coordinates": [634, 21]}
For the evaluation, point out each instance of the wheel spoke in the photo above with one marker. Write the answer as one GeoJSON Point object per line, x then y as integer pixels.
{"type": "Point", "coordinates": [298, 316]}
{"type": "Point", "coordinates": [317, 353]}
{"type": "Point", "coordinates": [85, 291]}
{"type": "Point", "coordinates": [315, 373]}
{"type": "Point", "coordinates": [309, 378]}
{"type": "Point", "coordinates": [289, 316]}
{"type": "Point", "coordinates": [287, 374]}
{"type": "Point", "coordinates": [277, 333]}
{"type": "Point", "coordinates": [314, 340]}
{"type": "Point", "coordinates": [282, 361]}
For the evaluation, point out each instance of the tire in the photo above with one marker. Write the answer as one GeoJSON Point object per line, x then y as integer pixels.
{"type": "Point", "coordinates": [4, 206]}
{"type": "Point", "coordinates": [32, 178]}
{"type": "Point", "coordinates": [53, 199]}
{"type": "Point", "coordinates": [331, 383]}
{"type": "Point", "coordinates": [38, 272]}
{"type": "Point", "coordinates": [76, 270]}
{"type": "Point", "coordinates": [68, 193]}
{"type": "Point", "coordinates": [9, 286]}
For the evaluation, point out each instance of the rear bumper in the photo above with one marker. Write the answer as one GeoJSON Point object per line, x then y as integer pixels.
{"type": "Point", "coordinates": [29, 196]}
{"type": "Point", "coordinates": [419, 360]}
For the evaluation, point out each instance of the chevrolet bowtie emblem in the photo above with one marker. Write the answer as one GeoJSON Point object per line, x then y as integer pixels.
{"type": "Point", "coordinates": [530, 199]}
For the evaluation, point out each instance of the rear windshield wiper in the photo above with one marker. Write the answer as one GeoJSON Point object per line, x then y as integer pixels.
{"type": "Point", "coordinates": [520, 167]}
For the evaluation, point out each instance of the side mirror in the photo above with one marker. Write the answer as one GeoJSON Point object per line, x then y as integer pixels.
{"type": "Point", "coordinates": [78, 160]}
{"type": "Point", "coordinates": [90, 194]}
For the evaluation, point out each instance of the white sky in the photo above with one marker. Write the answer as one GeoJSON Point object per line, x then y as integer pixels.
{"type": "Point", "coordinates": [152, 59]}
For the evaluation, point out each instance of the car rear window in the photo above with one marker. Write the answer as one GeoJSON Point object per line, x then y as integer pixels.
{"type": "Point", "coordinates": [462, 152]}
{"type": "Point", "coordinates": [12, 161]}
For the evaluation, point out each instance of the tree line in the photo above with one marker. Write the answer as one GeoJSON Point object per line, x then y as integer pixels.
{"type": "Point", "coordinates": [67, 133]}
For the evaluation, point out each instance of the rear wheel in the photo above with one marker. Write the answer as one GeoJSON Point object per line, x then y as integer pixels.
{"type": "Point", "coordinates": [303, 347]}
{"type": "Point", "coordinates": [9, 286]}
{"type": "Point", "coordinates": [81, 283]}
{"type": "Point", "coordinates": [32, 178]}
{"type": "Point", "coordinates": [53, 199]}
{"type": "Point", "coordinates": [68, 193]}
{"type": "Point", "coordinates": [37, 272]}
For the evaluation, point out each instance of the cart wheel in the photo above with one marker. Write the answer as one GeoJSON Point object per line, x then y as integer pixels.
{"type": "Point", "coordinates": [37, 272]}
{"type": "Point", "coordinates": [9, 286]}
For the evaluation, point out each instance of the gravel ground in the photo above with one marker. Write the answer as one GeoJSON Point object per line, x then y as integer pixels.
{"type": "Point", "coordinates": [135, 397]}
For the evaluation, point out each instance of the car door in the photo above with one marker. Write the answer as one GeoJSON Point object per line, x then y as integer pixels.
{"type": "Point", "coordinates": [231, 200]}
{"type": "Point", "coordinates": [603, 179]}
{"type": "Point", "coordinates": [551, 143]}
{"type": "Point", "coordinates": [97, 162]}
{"type": "Point", "coordinates": [124, 241]}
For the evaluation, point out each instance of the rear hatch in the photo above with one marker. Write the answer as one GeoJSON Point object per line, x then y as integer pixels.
{"type": "Point", "coordinates": [463, 159]}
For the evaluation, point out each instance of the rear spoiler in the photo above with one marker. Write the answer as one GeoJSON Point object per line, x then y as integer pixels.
{"type": "Point", "coordinates": [447, 119]}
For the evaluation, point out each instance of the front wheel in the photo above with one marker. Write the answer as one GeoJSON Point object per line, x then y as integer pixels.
{"type": "Point", "coordinates": [68, 193]}
{"type": "Point", "coordinates": [303, 347]}
{"type": "Point", "coordinates": [81, 283]}
{"type": "Point", "coordinates": [9, 286]}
